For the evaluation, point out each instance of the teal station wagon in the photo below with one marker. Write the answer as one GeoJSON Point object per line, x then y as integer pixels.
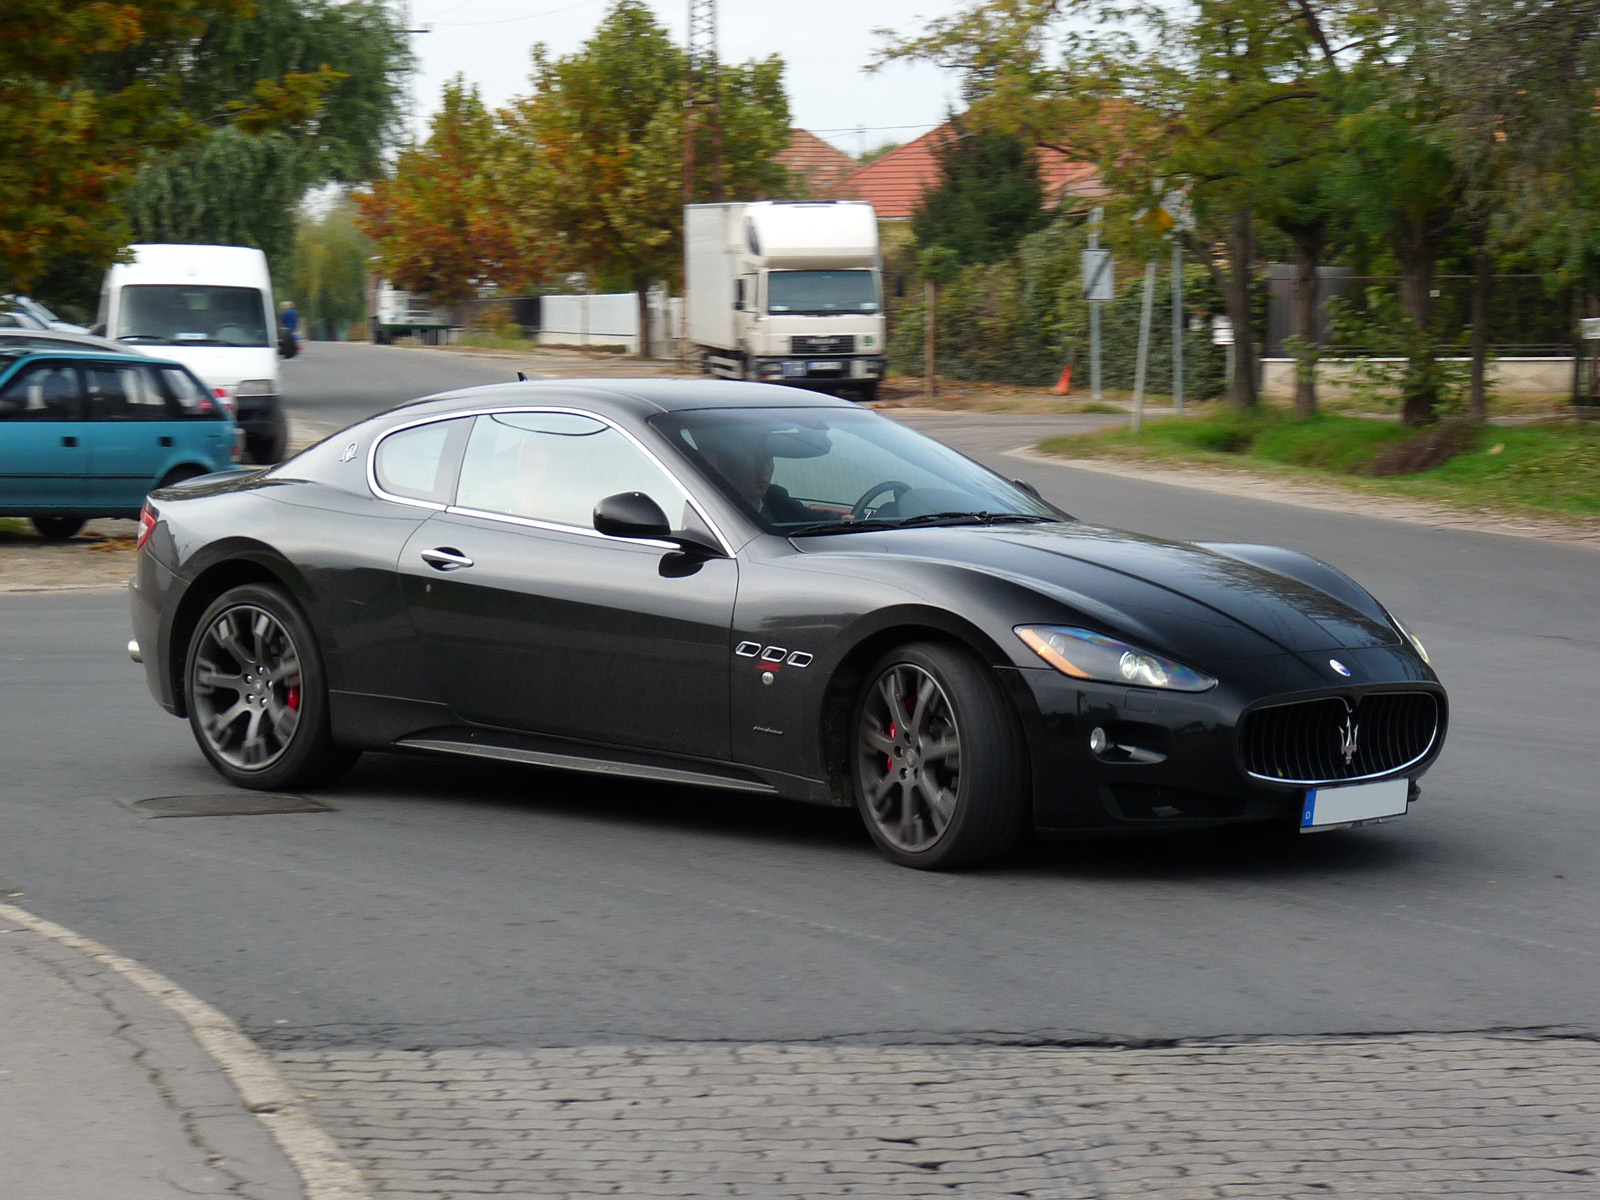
{"type": "Point", "coordinates": [87, 435]}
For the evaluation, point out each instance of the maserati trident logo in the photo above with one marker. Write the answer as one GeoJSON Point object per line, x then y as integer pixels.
{"type": "Point", "coordinates": [1349, 735]}
{"type": "Point", "coordinates": [1339, 667]}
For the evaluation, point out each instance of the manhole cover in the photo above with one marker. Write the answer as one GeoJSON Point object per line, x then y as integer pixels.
{"type": "Point", "coordinates": [229, 804]}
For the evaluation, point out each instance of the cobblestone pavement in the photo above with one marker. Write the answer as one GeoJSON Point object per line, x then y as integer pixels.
{"type": "Point", "coordinates": [1456, 1116]}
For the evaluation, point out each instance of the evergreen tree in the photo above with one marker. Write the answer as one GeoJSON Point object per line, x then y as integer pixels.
{"type": "Point", "coordinates": [988, 199]}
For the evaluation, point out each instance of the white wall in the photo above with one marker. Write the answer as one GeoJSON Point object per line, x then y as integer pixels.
{"type": "Point", "coordinates": [609, 320]}
{"type": "Point", "coordinates": [1522, 375]}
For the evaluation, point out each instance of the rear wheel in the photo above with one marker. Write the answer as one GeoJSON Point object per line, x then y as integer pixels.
{"type": "Point", "coordinates": [257, 695]}
{"type": "Point", "coordinates": [939, 768]}
{"type": "Point", "coordinates": [57, 529]}
{"type": "Point", "coordinates": [178, 475]}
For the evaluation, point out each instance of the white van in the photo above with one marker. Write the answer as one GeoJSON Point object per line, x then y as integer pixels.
{"type": "Point", "coordinates": [210, 308]}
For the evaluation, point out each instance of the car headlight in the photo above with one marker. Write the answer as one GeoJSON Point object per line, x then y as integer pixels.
{"type": "Point", "coordinates": [1412, 638]}
{"type": "Point", "coordinates": [1084, 654]}
{"type": "Point", "coordinates": [256, 387]}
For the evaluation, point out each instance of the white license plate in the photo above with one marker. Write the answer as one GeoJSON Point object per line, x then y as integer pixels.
{"type": "Point", "coordinates": [826, 366]}
{"type": "Point", "coordinates": [1340, 807]}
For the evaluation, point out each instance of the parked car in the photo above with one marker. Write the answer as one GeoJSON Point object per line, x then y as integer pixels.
{"type": "Point", "coordinates": [210, 308]}
{"type": "Point", "coordinates": [836, 610]}
{"type": "Point", "coordinates": [12, 317]}
{"type": "Point", "coordinates": [85, 434]}
{"type": "Point", "coordinates": [13, 338]}
{"type": "Point", "coordinates": [40, 313]}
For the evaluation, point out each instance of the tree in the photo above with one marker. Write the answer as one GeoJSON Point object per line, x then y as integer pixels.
{"type": "Point", "coordinates": [596, 151]}
{"type": "Point", "coordinates": [1157, 97]}
{"type": "Point", "coordinates": [242, 185]}
{"type": "Point", "coordinates": [329, 275]}
{"type": "Point", "coordinates": [69, 145]}
{"type": "Point", "coordinates": [436, 222]}
{"type": "Point", "coordinates": [988, 198]}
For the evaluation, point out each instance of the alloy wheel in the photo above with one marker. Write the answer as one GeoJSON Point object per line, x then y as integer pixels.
{"type": "Point", "coordinates": [908, 757]}
{"type": "Point", "coordinates": [247, 687]}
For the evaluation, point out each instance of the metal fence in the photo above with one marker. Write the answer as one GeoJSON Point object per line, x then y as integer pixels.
{"type": "Point", "coordinates": [1525, 319]}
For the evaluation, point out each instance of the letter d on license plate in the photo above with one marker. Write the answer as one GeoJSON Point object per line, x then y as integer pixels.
{"type": "Point", "coordinates": [1340, 807]}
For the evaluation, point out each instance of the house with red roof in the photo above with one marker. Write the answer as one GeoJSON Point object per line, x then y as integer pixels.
{"type": "Point", "coordinates": [818, 167]}
{"type": "Point", "coordinates": [895, 184]}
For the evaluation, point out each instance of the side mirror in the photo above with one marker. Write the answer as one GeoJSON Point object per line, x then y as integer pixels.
{"type": "Point", "coordinates": [635, 515]}
{"type": "Point", "coordinates": [632, 515]}
{"type": "Point", "coordinates": [98, 329]}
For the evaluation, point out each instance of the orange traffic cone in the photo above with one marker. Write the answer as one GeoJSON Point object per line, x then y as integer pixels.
{"type": "Point", "coordinates": [1064, 384]}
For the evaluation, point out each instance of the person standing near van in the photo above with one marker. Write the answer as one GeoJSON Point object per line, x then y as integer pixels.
{"type": "Point", "coordinates": [290, 319]}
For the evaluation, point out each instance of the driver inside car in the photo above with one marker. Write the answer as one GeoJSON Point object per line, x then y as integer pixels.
{"type": "Point", "coordinates": [743, 459]}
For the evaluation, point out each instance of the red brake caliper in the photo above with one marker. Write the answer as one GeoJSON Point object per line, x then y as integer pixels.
{"type": "Point", "coordinates": [292, 697]}
{"type": "Point", "coordinates": [889, 758]}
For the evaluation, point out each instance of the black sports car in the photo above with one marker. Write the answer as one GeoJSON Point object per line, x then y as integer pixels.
{"type": "Point", "coordinates": [737, 586]}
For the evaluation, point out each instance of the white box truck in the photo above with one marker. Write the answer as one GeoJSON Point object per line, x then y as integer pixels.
{"type": "Point", "coordinates": [787, 292]}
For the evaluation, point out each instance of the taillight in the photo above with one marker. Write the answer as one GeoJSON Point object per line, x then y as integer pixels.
{"type": "Point", "coordinates": [238, 444]}
{"type": "Point", "coordinates": [147, 526]}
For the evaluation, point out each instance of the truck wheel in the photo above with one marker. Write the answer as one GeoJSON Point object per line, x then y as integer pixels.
{"type": "Point", "coordinates": [867, 393]}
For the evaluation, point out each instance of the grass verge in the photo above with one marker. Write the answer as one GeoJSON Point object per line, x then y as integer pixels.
{"type": "Point", "coordinates": [1549, 469]}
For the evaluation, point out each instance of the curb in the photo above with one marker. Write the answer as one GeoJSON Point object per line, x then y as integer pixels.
{"type": "Point", "coordinates": [322, 1167]}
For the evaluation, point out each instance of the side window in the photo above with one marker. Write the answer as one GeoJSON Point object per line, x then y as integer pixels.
{"type": "Point", "coordinates": [420, 463]}
{"type": "Point", "coordinates": [42, 392]}
{"type": "Point", "coordinates": [185, 394]}
{"type": "Point", "coordinates": [556, 467]}
{"type": "Point", "coordinates": [122, 394]}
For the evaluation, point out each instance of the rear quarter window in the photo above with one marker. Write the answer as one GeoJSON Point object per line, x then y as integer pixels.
{"type": "Point", "coordinates": [421, 463]}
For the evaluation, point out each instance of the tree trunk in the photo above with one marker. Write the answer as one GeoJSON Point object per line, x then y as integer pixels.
{"type": "Point", "coordinates": [641, 286]}
{"type": "Point", "coordinates": [1420, 391]}
{"type": "Point", "coordinates": [1236, 296]}
{"type": "Point", "coordinates": [930, 293]}
{"type": "Point", "coordinates": [1482, 286]}
{"type": "Point", "coordinates": [1307, 251]}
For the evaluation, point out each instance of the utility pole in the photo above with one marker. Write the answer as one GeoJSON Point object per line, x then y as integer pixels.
{"type": "Point", "coordinates": [705, 91]}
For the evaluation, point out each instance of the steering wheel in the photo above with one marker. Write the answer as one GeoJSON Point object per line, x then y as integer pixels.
{"type": "Point", "coordinates": [858, 510]}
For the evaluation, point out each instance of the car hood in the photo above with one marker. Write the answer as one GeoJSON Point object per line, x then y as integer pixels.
{"type": "Point", "coordinates": [1159, 590]}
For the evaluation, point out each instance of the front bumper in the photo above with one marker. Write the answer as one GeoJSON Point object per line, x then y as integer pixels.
{"type": "Point", "coordinates": [1173, 759]}
{"type": "Point", "coordinates": [817, 369]}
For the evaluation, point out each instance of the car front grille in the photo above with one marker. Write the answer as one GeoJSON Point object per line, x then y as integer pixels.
{"type": "Point", "coordinates": [1328, 740]}
{"type": "Point", "coordinates": [840, 343]}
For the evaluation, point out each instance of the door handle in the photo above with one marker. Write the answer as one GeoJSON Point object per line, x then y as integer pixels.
{"type": "Point", "coordinates": [69, 441]}
{"type": "Point", "coordinates": [445, 558]}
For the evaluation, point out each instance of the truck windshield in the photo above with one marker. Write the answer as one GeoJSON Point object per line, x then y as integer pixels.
{"type": "Point", "coordinates": [821, 292]}
{"type": "Point", "coordinates": [192, 315]}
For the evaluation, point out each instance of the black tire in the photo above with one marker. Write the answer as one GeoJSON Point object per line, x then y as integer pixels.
{"type": "Point", "coordinates": [57, 529]}
{"type": "Point", "coordinates": [926, 804]}
{"type": "Point", "coordinates": [867, 393]}
{"type": "Point", "coordinates": [253, 654]}
{"type": "Point", "coordinates": [266, 449]}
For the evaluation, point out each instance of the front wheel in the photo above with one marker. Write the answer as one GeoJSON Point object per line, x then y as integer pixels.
{"type": "Point", "coordinates": [939, 767]}
{"type": "Point", "coordinates": [257, 695]}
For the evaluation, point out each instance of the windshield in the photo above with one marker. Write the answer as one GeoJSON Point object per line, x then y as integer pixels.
{"type": "Point", "coordinates": [810, 471]}
{"type": "Point", "coordinates": [181, 315]}
{"type": "Point", "coordinates": [821, 292]}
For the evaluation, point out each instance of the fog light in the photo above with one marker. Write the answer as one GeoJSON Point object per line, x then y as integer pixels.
{"type": "Point", "coordinates": [1099, 743]}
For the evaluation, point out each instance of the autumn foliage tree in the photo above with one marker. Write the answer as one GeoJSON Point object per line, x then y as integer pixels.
{"type": "Point", "coordinates": [69, 145]}
{"type": "Point", "coordinates": [438, 220]}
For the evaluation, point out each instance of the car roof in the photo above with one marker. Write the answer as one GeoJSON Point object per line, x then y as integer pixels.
{"type": "Point", "coordinates": [86, 341]}
{"type": "Point", "coordinates": [91, 355]}
{"type": "Point", "coordinates": [637, 397]}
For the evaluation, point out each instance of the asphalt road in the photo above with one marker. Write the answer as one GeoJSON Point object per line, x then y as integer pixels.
{"type": "Point", "coordinates": [447, 904]}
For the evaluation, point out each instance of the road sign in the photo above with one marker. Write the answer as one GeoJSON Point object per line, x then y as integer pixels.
{"type": "Point", "coordinates": [1221, 331]}
{"type": "Point", "coordinates": [1099, 280]}
{"type": "Point", "coordinates": [1590, 327]}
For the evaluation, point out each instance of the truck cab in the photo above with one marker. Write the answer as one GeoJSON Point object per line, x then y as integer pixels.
{"type": "Point", "coordinates": [787, 293]}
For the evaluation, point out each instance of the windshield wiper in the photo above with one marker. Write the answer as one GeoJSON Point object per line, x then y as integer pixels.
{"type": "Point", "coordinates": [981, 517]}
{"type": "Point", "coordinates": [826, 527]}
{"type": "Point", "coordinates": [145, 337]}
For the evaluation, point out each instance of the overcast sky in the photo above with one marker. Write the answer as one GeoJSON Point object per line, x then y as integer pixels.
{"type": "Point", "coordinates": [826, 44]}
